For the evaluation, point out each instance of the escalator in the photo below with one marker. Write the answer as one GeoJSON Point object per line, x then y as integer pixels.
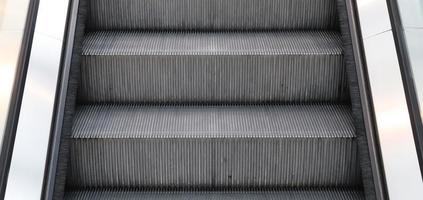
{"type": "Point", "coordinates": [212, 99]}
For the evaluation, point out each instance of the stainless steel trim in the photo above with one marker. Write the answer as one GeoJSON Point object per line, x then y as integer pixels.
{"type": "Point", "coordinates": [374, 17]}
{"type": "Point", "coordinates": [28, 164]}
{"type": "Point", "coordinates": [393, 125]}
{"type": "Point", "coordinates": [13, 14]}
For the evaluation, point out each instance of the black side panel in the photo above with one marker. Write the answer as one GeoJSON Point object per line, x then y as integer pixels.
{"type": "Point", "coordinates": [364, 156]}
{"type": "Point", "coordinates": [74, 79]}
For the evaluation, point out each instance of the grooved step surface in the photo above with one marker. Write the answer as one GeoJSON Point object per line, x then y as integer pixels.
{"type": "Point", "coordinates": [116, 121]}
{"type": "Point", "coordinates": [126, 43]}
{"type": "Point", "coordinates": [212, 14]}
{"type": "Point", "coordinates": [338, 194]}
{"type": "Point", "coordinates": [228, 67]}
{"type": "Point", "coordinates": [213, 147]}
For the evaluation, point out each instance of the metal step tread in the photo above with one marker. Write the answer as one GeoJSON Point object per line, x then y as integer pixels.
{"type": "Point", "coordinates": [136, 146]}
{"type": "Point", "coordinates": [110, 43]}
{"type": "Point", "coordinates": [318, 194]}
{"type": "Point", "coordinates": [278, 121]}
{"type": "Point", "coordinates": [219, 67]}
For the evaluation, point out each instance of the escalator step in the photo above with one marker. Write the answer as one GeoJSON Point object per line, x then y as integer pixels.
{"type": "Point", "coordinates": [213, 147]}
{"type": "Point", "coordinates": [229, 67]}
{"type": "Point", "coordinates": [338, 194]}
{"type": "Point", "coordinates": [212, 14]}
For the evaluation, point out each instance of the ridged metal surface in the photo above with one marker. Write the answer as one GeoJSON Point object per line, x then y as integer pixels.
{"type": "Point", "coordinates": [212, 67]}
{"type": "Point", "coordinates": [338, 194]}
{"type": "Point", "coordinates": [125, 43]}
{"type": "Point", "coordinates": [212, 14]}
{"type": "Point", "coordinates": [118, 121]}
{"type": "Point", "coordinates": [213, 147]}
{"type": "Point", "coordinates": [134, 55]}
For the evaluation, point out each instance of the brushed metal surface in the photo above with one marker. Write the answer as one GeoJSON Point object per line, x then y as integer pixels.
{"type": "Point", "coordinates": [29, 155]}
{"type": "Point", "coordinates": [397, 145]}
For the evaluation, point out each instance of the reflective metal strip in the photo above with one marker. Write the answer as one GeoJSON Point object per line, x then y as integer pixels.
{"type": "Point", "coordinates": [28, 163]}
{"type": "Point", "coordinates": [11, 39]}
{"type": "Point", "coordinates": [395, 134]}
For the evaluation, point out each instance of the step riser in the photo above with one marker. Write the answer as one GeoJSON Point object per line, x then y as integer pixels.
{"type": "Point", "coordinates": [213, 79]}
{"type": "Point", "coordinates": [291, 195]}
{"type": "Point", "coordinates": [212, 14]}
{"type": "Point", "coordinates": [213, 163]}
